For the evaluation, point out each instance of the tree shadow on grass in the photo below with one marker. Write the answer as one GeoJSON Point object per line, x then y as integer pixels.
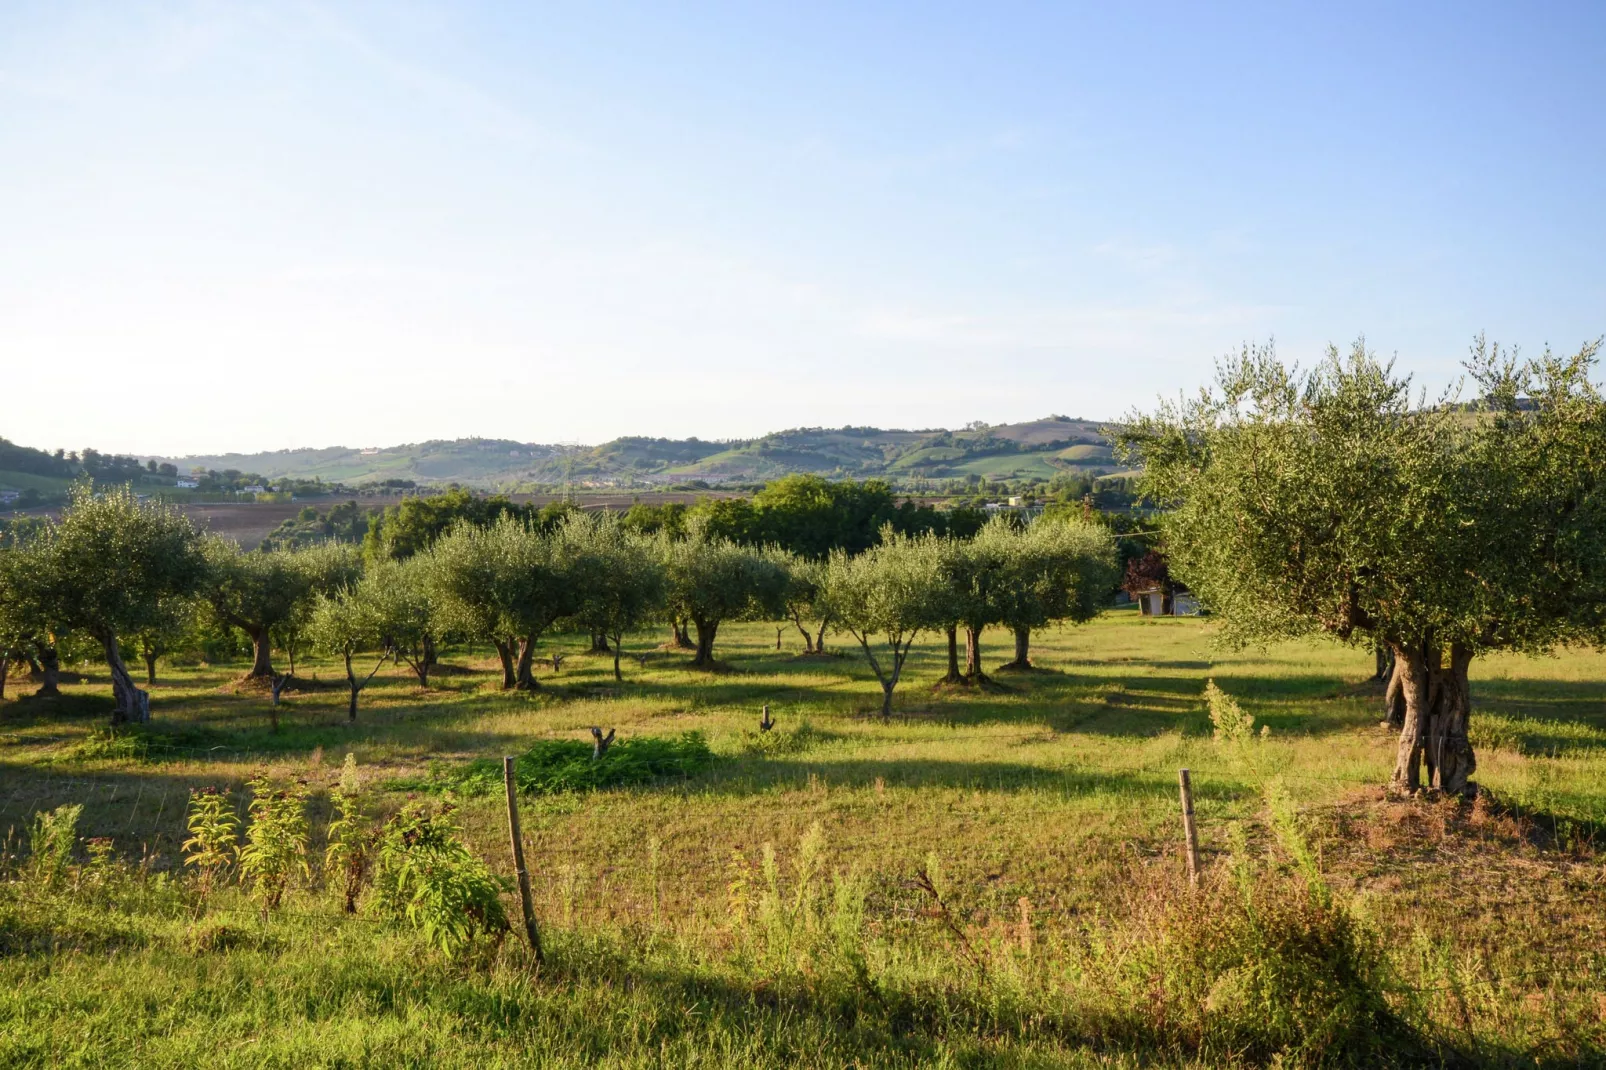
{"type": "Point", "coordinates": [754, 776]}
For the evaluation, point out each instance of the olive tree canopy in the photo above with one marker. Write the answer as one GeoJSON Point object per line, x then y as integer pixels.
{"type": "Point", "coordinates": [618, 578]}
{"type": "Point", "coordinates": [1053, 571]}
{"type": "Point", "coordinates": [1329, 501]}
{"type": "Point", "coordinates": [710, 581]}
{"type": "Point", "coordinates": [106, 567]}
{"type": "Point", "coordinates": [885, 597]}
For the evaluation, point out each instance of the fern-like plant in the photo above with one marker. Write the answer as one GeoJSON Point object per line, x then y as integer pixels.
{"type": "Point", "coordinates": [275, 849]}
{"type": "Point", "coordinates": [213, 841]}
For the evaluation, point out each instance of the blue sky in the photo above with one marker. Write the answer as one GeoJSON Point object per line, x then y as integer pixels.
{"type": "Point", "coordinates": [257, 226]}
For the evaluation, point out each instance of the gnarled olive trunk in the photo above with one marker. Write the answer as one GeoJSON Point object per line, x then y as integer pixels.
{"type": "Point", "coordinates": [681, 640]}
{"type": "Point", "coordinates": [599, 644]}
{"type": "Point", "coordinates": [353, 687]}
{"type": "Point", "coordinates": [953, 676]}
{"type": "Point", "coordinates": [973, 669]}
{"type": "Point", "coordinates": [1023, 650]}
{"type": "Point", "coordinates": [150, 666]}
{"type": "Point", "coordinates": [706, 630]}
{"type": "Point", "coordinates": [5, 670]}
{"type": "Point", "coordinates": [261, 653]}
{"type": "Point", "coordinates": [1394, 695]}
{"type": "Point", "coordinates": [808, 640]}
{"type": "Point", "coordinates": [525, 678]}
{"type": "Point", "coordinates": [129, 703]}
{"type": "Point", "coordinates": [1438, 707]}
{"type": "Point", "coordinates": [48, 671]}
{"type": "Point", "coordinates": [504, 653]}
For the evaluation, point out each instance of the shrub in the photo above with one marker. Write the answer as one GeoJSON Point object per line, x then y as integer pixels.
{"type": "Point", "coordinates": [51, 842]}
{"type": "Point", "coordinates": [558, 765]}
{"type": "Point", "coordinates": [213, 836]}
{"type": "Point", "coordinates": [276, 843]}
{"type": "Point", "coordinates": [427, 877]}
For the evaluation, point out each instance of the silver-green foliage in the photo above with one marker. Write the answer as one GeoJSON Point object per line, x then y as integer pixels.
{"type": "Point", "coordinates": [885, 597]}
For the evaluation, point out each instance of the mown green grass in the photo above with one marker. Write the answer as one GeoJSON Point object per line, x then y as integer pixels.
{"type": "Point", "coordinates": [1059, 789]}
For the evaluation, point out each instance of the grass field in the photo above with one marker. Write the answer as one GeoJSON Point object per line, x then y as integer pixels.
{"type": "Point", "coordinates": [1063, 931]}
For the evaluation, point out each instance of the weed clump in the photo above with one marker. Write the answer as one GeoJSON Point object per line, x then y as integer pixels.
{"type": "Point", "coordinates": [1230, 721]}
{"type": "Point", "coordinates": [796, 740]}
{"type": "Point", "coordinates": [553, 766]}
{"type": "Point", "coordinates": [50, 844]}
{"type": "Point", "coordinates": [214, 832]}
{"type": "Point", "coordinates": [428, 877]}
{"type": "Point", "coordinates": [351, 835]}
{"type": "Point", "coordinates": [275, 851]}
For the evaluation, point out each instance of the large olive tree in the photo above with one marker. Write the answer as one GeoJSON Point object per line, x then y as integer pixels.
{"type": "Point", "coordinates": [1334, 501]}
{"type": "Point", "coordinates": [105, 569]}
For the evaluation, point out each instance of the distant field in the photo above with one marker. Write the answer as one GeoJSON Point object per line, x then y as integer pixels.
{"type": "Point", "coordinates": [29, 481]}
{"type": "Point", "coordinates": [1055, 797]}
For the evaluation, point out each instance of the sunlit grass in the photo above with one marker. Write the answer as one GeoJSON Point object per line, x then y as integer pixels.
{"type": "Point", "coordinates": [1058, 788]}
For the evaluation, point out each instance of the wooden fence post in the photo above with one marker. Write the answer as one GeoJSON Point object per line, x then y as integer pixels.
{"type": "Point", "coordinates": [1190, 834]}
{"type": "Point", "coordinates": [530, 929]}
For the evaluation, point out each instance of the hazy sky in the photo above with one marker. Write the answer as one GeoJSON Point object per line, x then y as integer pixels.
{"type": "Point", "coordinates": [255, 226]}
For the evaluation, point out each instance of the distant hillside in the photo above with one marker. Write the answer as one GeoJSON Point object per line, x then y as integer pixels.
{"type": "Point", "coordinates": [1040, 448]}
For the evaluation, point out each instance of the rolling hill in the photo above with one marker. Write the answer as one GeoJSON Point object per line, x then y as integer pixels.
{"type": "Point", "coordinates": [1036, 449]}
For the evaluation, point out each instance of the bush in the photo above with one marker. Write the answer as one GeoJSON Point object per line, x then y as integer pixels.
{"type": "Point", "coordinates": [1270, 969]}
{"type": "Point", "coordinates": [552, 766]}
{"type": "Point", "coordinates": [427, 877]}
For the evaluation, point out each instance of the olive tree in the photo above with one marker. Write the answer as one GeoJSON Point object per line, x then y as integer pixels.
{"type": "Point", "coordinates": [885, 597]}
{"type": "Point", "coordinates": [710, 581]}
{"type": "Point", "coordinates": [348, 624]}
{"type": "Point", "coordinates": [21, 625]}
{"type": "Point", "coordinates": [803, 597]}
{"type": "Point", "coordinates": [617, 577]}
{"type": "Point", "coordinates": [264, 591]}
{"type": "Point", "coordinates": [105, 568]}
{"type": "Point", "coordinates": [401, 599]}
{"type": "Point", "coordinates": [977, 571]}
{"type": "Point", "coordinates": [172, 620]}
{"type": "Point", "coordinates": [1053, 571]}
{"type": "Point", "coordinates": [508, 581]}
{"type": "Point", "coordinates": [1329, 501]}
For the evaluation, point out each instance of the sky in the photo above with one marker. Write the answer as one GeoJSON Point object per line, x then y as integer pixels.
{"type": "Point", "coordinates": [238, 227]}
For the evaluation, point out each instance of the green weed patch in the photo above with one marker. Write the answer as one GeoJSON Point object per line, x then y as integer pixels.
{"type": "Point", "coordinates": [554, 766]}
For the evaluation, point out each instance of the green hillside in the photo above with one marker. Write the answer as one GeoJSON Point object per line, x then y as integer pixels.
{"type": "Point", "coordinates": [1035, 449]}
